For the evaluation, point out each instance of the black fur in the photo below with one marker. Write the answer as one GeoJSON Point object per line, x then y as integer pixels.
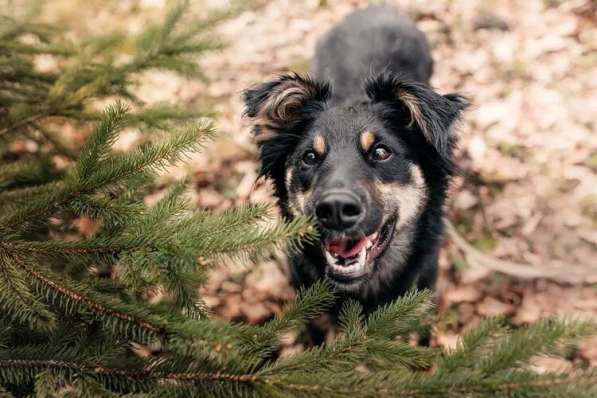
{"type": "Point", "coordinates": [371, 73]}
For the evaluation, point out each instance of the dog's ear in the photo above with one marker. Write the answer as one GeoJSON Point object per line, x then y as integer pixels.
{"type": "Point", "coordinates": [433, 114]}
{"type": "Point", "coordinates": [280, 110]}
{"type": "Point", "coordinates": [281, 103]}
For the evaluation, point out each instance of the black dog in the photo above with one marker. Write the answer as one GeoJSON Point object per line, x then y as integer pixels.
{"type": "Point", "coordinates": [366, 148]}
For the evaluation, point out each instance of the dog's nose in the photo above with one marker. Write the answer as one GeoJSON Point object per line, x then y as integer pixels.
{"type": "Point", "coordinates": [339, 210]}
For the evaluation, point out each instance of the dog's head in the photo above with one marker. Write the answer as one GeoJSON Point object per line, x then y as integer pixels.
{"type": "Point", "coordinates": [363, 170]}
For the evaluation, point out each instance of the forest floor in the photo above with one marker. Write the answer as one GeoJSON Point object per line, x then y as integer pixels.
{"type": "Point", "coordinates": [528, 148]}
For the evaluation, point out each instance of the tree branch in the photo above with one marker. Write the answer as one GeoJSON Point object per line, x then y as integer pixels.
{"type": "Point", "coordinates": [563, 273]}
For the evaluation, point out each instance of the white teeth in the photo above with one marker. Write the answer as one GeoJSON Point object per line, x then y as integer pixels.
{"type": "Point", "coordinates": [362, 256]}
{"type": "Point", "coordinates": [330, 258]}
{"type": "Point", "coordinates": [371, 240]}
{"type": "Point", "coordinates": [355, 266]}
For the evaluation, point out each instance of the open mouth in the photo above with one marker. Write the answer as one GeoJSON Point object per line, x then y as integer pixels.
{"type": "Point", "coordinates": [351, 259]}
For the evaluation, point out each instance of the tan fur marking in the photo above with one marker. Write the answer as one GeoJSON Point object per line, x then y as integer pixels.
{"type": "Point", "coordinates": [367, 139]}
{"type": "Point", "coordinates": [412, 103]}
{"type": "Point", "coordinates": [319, 145]}
{"type": "Point", "coordinates": [410, 197]}
{"type": "Point", "coordinates": [264, 135]}
{"type": "Point", "coordinates": [288, 179]}
{"type": "Point", "coordinates": [285, 101]}
{"type": "Point", "coordinates": [278, 108]}
{"type": "Point", "coordinates": [296, 200]}
{"type": "Point", "coordinates": [300, 201]}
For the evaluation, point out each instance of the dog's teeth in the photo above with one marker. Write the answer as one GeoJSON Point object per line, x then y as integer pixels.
{"type": "Point", "coordinates": [346, 266]}
{"type": "Point", "coordinates": [332, 260]}
{"type": "Point", "coordinates": [362, 257]}
{"type": "Point", "coordinates": [371, 239]}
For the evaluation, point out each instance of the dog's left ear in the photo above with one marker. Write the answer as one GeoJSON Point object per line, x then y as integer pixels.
{"type": "Point", "coordinates": [279, 104]}
{"type": "Point", "coordinates": [435, 115]}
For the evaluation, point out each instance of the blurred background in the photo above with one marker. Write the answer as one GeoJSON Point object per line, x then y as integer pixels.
{"type": "Point", "coordinates": [526, 203]}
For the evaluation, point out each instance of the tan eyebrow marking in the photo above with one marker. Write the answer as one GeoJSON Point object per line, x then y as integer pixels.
{"type": "Point", "coordinates": [367, 139]}
{"type": "Point", "coordinates": [319, 144]}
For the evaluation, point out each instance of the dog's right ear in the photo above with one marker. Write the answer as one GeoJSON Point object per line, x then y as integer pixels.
{"type": "Point", "coordinates": [281, 103]}
{"type": "Point", "coordinates": [433, 114]}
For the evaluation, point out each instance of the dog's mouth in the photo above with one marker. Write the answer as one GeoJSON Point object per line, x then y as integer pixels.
{"type": "Point", "coordinates": [351, 259]}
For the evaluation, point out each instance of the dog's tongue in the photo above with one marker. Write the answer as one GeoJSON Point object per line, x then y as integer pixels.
{"type": "Point", "coordinates": [346, 248]}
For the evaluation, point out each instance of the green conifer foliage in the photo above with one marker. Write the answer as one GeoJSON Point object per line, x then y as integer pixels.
{"type": "Point", "coordinates": [74, 314]}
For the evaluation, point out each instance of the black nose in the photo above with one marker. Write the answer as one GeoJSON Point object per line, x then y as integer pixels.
{"type": "Point", "coordinates": [339, 210]}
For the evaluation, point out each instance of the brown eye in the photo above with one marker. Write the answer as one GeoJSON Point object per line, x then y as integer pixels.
{"type": "Point", "coordinates": [381, 153]}
{"type": "Point", "coordinates": [309, 158]}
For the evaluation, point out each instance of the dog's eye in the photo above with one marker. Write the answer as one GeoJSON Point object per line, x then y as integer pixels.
{"type": "Point", "coordinates": [381, 153]}
{"type": "Point", "coordinates": [309, 158]}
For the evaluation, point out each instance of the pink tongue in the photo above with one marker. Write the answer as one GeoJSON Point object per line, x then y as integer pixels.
{"type": "Point", "coordinates": [339, 248]}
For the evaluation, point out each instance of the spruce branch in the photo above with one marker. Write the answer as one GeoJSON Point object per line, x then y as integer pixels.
{"type": "Point", "coordinates": [99, 143]}
{"type": "Point", "coordinates": [473, 345]}
{"type": "Point", "coordinates": [16, 299]}
{"type": "Point", "coordinates": [70, 298]}
{"type": "Point", "coordinates": [46, 199]}
{"type": "Point", "coordinates": [15, 127]}
{"type": "Point", "coordinates": [24, 369]}
{"type": "Point", "coordinates": [402, 317]}
{"type": "Point", "coordinates": [541, 338]}
{"type": "Point", "coordinates": [309, 304]}
{"type": "Point", "coordinates": [253, 240]}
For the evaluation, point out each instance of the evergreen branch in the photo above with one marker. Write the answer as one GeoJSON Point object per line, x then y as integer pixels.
{"type": "Point", "coordinates": [17, 300]}
{"type": "Point", "coordinates": [112, 212]}
{"type": "Point", "coordinates": [68, 248]}
{"type": "Point", "coordinates": [101, 140]}
{"type": "Point", "coordinates": [309, 304]}
{"type": "Point", "coordinates": [252, 240]}
{"type": "Point", "coordinates": [541, 338]}
{"type": "Point", "coordinates": [140, 375]}
{"type": "Point", "coordinates": [110, 171]}
{"type": "Point", "coordinates": [28, 171]}
{"type": "Point", "coordinates": [471, 346]}
{"type": "Point", "coordinates": [351, 318]}
{"type": "Point", "coordinates": [152, 157]}
{"type": "Point", "coordinates": [205, 227]}
{"type": "Point", "coordinates": [344, 353]}
{"type": "Point", "coordinates": [386, 355]}
{"type": "Point", "coordinates": [170, 206]}
{"type": "Point", "coordinates": [401, 317]}
{"type": "Point", "coordinates": [51, 287]}
{"type": "Point", "coordinates": [24, 122]}
{"type": "Point", "coordinates": [364, 386]}
{"type": "Point", "coordinates": [20, 196]}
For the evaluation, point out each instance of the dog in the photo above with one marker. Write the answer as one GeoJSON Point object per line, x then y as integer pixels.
{"type": "Point", "coordinates": [366, 148]}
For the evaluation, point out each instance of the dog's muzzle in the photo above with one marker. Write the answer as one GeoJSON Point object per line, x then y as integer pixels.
{"type": "Point", "coordinates": [349, 250]}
